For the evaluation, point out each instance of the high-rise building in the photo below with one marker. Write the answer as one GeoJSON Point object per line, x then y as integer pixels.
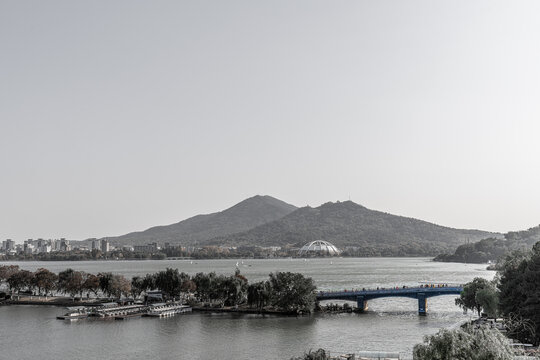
{"type": "Point", "coordinates": [10, 244]}
{"type": "Point", "coordinates": [64, 245]}
{"type": "Point", "coordinates": [104, 245]}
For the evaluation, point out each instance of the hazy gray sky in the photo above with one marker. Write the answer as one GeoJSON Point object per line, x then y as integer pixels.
{"type": "Point", "coordinates": [119, 115]}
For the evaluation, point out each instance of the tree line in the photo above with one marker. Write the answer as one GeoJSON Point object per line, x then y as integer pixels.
{"type": "Point", "coordinates": [493, 249]}
{"type": "Point", "coordinates": [283, 291]}
{"type": "Point", "coordinates": [514, 294]}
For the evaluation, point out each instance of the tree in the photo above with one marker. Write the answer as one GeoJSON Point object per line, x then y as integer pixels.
{"type": "Point", "coordinates": [20, 279]}
{"type": "Point", "coordinates": [467, 343]}
{"type": "Point", "coordinates": [477, 295]}
{"type": "Point", "coordinates": [70, 282]}
{"type": "Point", "coordinates": [488, 299]}
{"type": "Point", "coordinates": [105, 280]}
{"type": "Point", "coordinates": [203, 283]}
{"type": "Point", "coordinates": [235, 289]}
{"type": "Point", "coordinates": [45, 280]}
{"type": "Point", "coordinates": [292, 292]}
{"type": "Point", "coordinates": [6, 271]}
{"type": "Point", "coordinates": [169, 282]}
{"type": "Point", "coordinates": [149, 282]}
{"type": "Point", "coordinates": [188, 286]}
{"type": "Point", "coordinates": [91, 284]}
{"type": "Point", "coordinates": [258, 294]}
{"type": "Point", "coordinates": [137, 286]}
{"type": "Point", "coordinates": [519, 287]}
{"type": "Point", "coordinates": [120, 286]}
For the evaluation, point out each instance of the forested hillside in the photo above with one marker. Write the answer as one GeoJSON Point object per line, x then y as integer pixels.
{"type": "Point", "coordinates": [366, 232]}
{"type": "Point", "coordinates": [243, 216]}
{"type": "Point", "coordinates": [493, 249]}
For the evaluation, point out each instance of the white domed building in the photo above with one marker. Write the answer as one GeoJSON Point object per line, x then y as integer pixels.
{"type": "Point", "coordinates": [319, 248]}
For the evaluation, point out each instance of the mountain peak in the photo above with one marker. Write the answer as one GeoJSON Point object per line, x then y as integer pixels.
{"type": "Point", "coordinates": [347, 224]}
{"type": "Point", "coordinates": [347, 204]}
{"type": "Point", "coordinates": [243, 216]}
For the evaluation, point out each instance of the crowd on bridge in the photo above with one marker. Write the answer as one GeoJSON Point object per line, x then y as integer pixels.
{"type": "Point", "coordinates": [422, 286]}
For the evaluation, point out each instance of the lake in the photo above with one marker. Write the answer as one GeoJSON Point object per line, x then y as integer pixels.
{"type": "Point", "coordinates": [391, 324]}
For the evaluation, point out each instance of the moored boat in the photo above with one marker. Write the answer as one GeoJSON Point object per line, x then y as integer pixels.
{"type": "Point", "coordinates": [164, 310]}
{"type": "Point", "coordinates": [113, 311]}
{"type": "Point", "coordinates": [74, 313]}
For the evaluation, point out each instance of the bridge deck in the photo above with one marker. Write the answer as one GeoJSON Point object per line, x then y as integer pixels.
{"type": "Point", "coordinates": [394, 292]}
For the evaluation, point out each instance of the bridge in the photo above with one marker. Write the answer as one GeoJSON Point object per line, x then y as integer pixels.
{"type": "Point", "coordinates": [361, 297]}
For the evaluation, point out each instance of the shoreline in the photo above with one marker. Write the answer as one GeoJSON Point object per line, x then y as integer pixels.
{"type": "Point", "coordinates": [220, 258]}
{"type": "Point", "coordinates": [68, 302]}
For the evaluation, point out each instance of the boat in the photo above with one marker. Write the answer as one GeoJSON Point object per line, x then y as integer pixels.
{"type": "Point", "coordinates": [164, 310]}
{"type": "Point", "coordinates": [106, 310]}
{"type": "Point", "coordinates": [74, 313]}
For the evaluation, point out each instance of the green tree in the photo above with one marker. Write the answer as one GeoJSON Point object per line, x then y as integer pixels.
{"type": "Point", "coordinates": [235, 289]}
{"type": "Point", "coordinates": [292, 292]}
{"type": "Point", "coordinates": [519, 286]}
{"type": "Point", "coordinates": [203, 283]}
{"type": "Point", "coordinates": [465, 344]}
{"type": "Point", "coordinates": [477, 295]}
{"type": "Point", "coordinates": [137, 286]}
{"type": "Point", "coordinates": [169, 282]}
{"type": "Point", "coordinates": [488, 298]}
{"type": "Point", "coordinates": [149, 282]}
{"type": "Point", "coordinates": [258, 294]}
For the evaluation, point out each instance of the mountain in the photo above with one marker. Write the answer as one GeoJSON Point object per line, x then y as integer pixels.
{"type": "Point", "coordinates": [493, 249]}
{"type": "Point", "coordinates": [347, 224]}
{"type": "Point", "coordinates": [243, 216]}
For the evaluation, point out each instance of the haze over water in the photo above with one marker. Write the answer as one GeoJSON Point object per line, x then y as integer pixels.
{"type": "Point", "coordinates": [389, 325]}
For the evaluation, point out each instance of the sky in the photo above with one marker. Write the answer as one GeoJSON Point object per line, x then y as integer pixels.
{"type": "Point", "coordinates": [116, 116]}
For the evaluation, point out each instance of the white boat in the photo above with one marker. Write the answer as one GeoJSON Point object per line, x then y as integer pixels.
{"type": "Point", "coordinates": [163, 310]}
{"type": "Point", "coordinates": [109, 310]}
{"type": "Point", "coordinates": [75, 312]}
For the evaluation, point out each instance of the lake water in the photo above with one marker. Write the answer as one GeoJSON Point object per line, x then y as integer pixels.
{"type": "Point", "coordinates": [391, 324]}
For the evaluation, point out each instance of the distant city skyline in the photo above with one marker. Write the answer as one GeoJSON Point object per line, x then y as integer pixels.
{"type": "Point", "coordinates": [116, 117]}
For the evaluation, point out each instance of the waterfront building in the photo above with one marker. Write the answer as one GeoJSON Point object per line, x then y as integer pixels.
{"type": "Point", "coordinates": [148, 248]}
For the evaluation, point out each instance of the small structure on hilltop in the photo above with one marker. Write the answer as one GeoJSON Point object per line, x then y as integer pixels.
{"type": "Point", "coordinates": [319, 248]}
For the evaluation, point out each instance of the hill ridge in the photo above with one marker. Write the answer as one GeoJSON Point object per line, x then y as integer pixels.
{"type": "Point", "coordinates": [351, 224]}
{"type": "Point", "coordinates": [242, 216]}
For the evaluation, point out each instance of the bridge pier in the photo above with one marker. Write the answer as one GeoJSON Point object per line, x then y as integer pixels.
{"type": "Point", "coordinates": [422, 304]}
{"type": "Point", "coordinates": [361, 303]}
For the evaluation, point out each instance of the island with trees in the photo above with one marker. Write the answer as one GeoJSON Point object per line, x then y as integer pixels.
{"type": "Point", "coordinates": [282, 292]}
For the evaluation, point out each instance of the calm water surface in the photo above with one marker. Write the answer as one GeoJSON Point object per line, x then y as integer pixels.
{"type": "Point", "coordinates": [391, 324]}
